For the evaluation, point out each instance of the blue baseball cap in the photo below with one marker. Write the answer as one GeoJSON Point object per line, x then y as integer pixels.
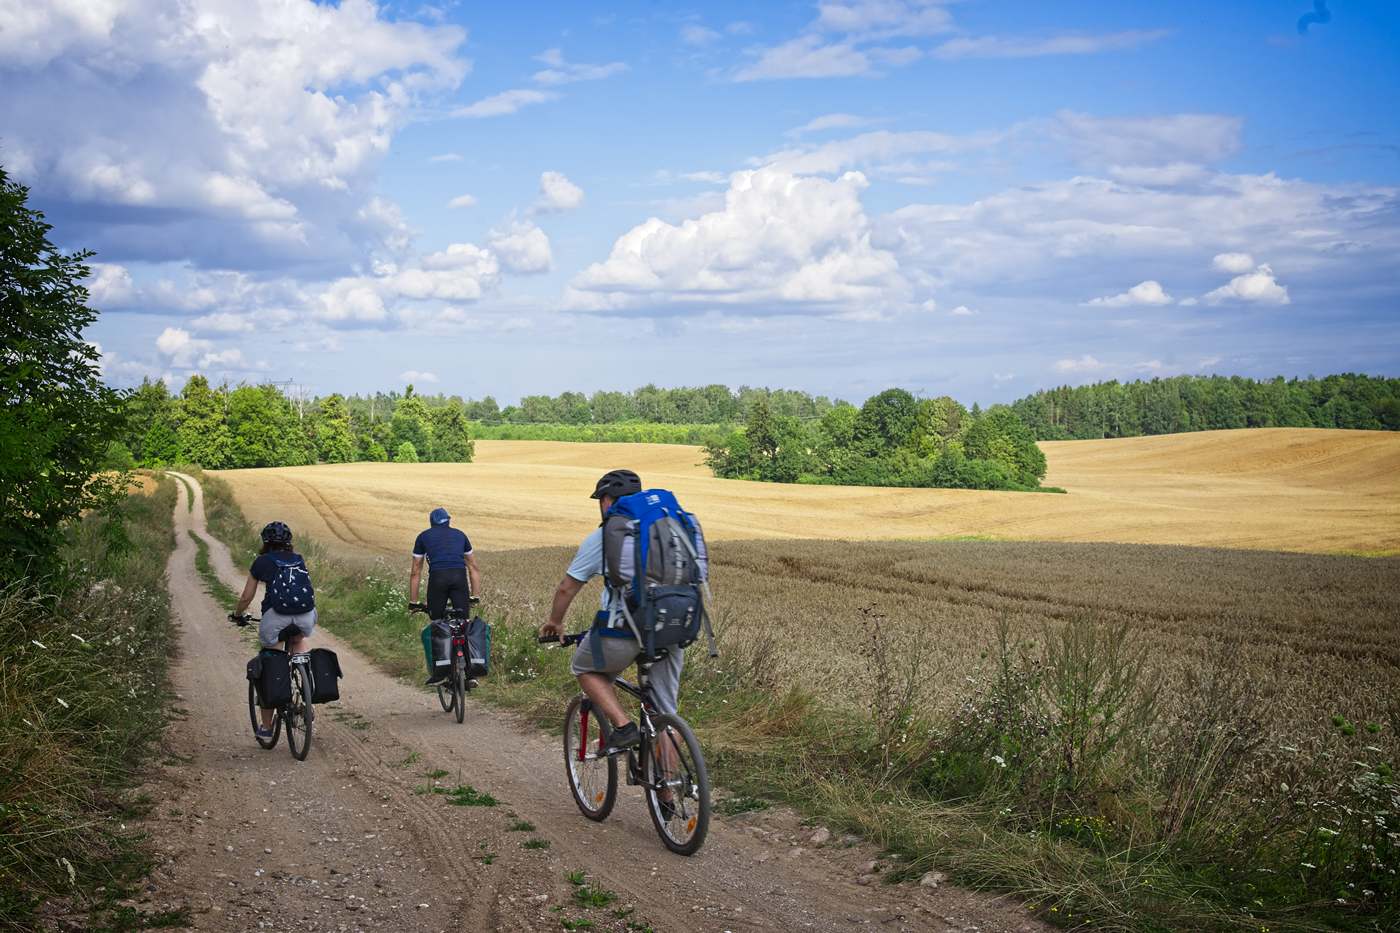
{"type": "Point", "coordinates": [439, 516]}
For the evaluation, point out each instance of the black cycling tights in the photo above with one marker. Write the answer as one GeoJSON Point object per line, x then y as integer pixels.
{"type": "Point", "coordinates": [444, 585]}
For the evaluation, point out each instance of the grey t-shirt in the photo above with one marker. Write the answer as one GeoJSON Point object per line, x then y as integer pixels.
{"type": "Point", "coordinates": [587, 564]}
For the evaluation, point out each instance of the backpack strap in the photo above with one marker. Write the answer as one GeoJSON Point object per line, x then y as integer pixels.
{"type": "Point", "coordinates": [709, 597]}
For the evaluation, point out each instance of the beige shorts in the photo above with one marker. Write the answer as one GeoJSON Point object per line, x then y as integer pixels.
{"type": "Point", "coordinates": [618, 655]}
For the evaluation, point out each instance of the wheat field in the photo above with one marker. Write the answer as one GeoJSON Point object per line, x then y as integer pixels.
{"type": "Point", "coordinates": [1272, 489]}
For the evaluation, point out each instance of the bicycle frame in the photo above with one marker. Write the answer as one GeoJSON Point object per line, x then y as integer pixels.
{"type": "Point", "coordinates": [641, 691]}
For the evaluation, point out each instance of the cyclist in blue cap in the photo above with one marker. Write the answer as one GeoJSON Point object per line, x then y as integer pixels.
{"type": "Point", "coordinates": [453, 573]}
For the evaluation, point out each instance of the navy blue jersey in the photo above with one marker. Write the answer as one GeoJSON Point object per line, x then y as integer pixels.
{"type": "Point", "coordinates": [444, 547]}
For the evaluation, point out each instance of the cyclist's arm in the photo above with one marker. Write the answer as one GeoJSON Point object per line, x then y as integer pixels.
{"type": "Point", "coordinates": [413, 576]}
{"type": "Point", "coordinates": [474, 573]}
{"type": "Point", "coordinates": [250, 589]}
{"type": "Point", "coordinates": [564, 595]}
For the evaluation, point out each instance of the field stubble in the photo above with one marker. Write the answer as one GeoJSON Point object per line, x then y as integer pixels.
{"type": "Point", "coordinates": [1273, 489]}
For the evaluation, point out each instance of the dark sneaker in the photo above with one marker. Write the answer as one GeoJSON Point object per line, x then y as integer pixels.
{"type": "Point", "coordinates": [262, 733]}
{"type": "Point", "coordinates": [435, 679]}
{"type": "Point", "coordinates": [472, 684]}
{"type": "Point", "coordinates": [623, 738]}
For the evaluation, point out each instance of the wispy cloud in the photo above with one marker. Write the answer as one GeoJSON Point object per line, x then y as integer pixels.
{"type": "Point", "coordinates": [1149, 292]}
{"type": "Point", "coordinates": [504, 103]}
{"type": "Point", "coordinates": [1036, 46]}
{"type": "Point", "coordinates": [830, 121]}
{"type": "Point", "coordinates": [560, 71]}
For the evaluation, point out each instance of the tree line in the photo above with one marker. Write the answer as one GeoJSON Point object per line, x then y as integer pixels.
{"type": "Point", "coordinates": [708, 405]}
{"type": "Point", "coordinates": [894, 439]}
{"type": "Point", "coordinates": [1207, 403]}
{"type": "Point", "coordinates": [222, 427]}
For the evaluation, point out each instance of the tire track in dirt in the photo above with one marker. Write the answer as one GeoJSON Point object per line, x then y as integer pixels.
{"type": "Point", "coordinates": [346, 843]}
{"type": "Point", "coordinates": [346, 533]}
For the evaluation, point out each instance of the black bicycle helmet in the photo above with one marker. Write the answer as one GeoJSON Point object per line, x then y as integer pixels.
{"type": "Point", "coordinates": [276, 533]}
{"type": "Point", "coordinates": [617, 483]}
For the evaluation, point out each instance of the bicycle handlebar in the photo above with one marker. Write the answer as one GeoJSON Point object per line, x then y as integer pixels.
{"type": "Point", "coordinates": [423, 607]}
{"type": "Point", "coordinates": [563, 641]}
{"type": "Point", "coordinates": [242, 620]}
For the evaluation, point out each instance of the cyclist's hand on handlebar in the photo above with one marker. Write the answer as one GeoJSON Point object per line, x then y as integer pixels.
{"type": "Point", "coordinates": [551, 632]}
{"type": "Point", "coordinates": [417, 607]}
{"type": "Point", "coordinates": [238, 620]}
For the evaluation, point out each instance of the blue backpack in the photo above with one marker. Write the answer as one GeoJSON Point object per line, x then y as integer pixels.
{"type": "Point", "coordinates": [654, 551]}
{"type": "Point", "coordinates": [289, 592]}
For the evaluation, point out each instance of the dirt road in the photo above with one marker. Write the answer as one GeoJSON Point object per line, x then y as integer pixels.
{"type": "Point", "coordinates": [354, 839]}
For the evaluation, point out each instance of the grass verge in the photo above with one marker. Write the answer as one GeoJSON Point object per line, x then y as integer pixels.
{"type": "Point", "coordinates": [83, 698]}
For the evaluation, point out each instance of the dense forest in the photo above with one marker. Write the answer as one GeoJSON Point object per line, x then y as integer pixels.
{"type": "Point", "coordinates": [1206, 403]}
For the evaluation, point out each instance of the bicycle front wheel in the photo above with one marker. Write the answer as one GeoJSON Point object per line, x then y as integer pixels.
{"type": "Point", "coordinates": [253, 709]}
{"type": "Point", "coordinates": [299, 713]}
{"type": "Point", "coordinates": [677, 785]}
{"type": "Point", "coordinates": [592, 780]}
{"type": "Point", "coordinates": [445, 697]}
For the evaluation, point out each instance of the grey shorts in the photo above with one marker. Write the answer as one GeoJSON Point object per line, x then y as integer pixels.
{"type": "Point", "coordinates": [273, 622]}
{"type": "Point", "coordinates": [618, 655]}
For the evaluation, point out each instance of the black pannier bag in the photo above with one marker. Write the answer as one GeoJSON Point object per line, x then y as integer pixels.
{"type": "Point", "coordinates": [274, 678]}
{"type": "Point", "coordinates": [325, 674]}
{"type": "Point", "coordinates": [478, 648]}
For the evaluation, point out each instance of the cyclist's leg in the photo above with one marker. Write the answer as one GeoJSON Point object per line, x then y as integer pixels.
{"type": "Point", "coordinates": [665, 679]}
{"type": "Point", "coordinates": [437, 594]}
{"type": "Point", "coordinates": [457, 590]}
{"type": "Point", "coordinates": [597, 681]}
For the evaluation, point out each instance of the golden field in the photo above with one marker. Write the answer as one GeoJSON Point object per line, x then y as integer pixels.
{"type": "Point", "coordinates": [1273, 489]}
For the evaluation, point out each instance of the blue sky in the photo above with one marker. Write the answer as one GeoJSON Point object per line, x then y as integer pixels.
{"type": "Point", "coordinates": [978, 198]}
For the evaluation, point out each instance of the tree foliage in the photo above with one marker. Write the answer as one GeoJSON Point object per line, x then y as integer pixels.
{"type": "Point", "coordinates": [57, 418]}
{"type": "Point", "coordinates": [891, 440]}
{"type": "Point", "coordinates": [1205, 403]}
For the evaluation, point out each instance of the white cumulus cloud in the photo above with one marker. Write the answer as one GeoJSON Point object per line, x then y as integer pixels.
{"type": "Point", "coordinates": [780, 240]}
{"type": "Point", "coordinates": [1258, 287]}
{"type": "Point", "coordinates": [522, 248]}
{"type": "Point", "coordinates": [462, 200]}
{"type": "Point", "coordinates": [1143, 293]}
{"type": "Point", "coordinates": [557, 193]}
{"type": "Point", "coordinates": [1233, 263]}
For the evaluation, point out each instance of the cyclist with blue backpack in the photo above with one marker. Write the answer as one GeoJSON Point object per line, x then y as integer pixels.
{"type": "Point", "coordinates": [653, 557]}
{"type": "Point", "coordinates": [289, 600]}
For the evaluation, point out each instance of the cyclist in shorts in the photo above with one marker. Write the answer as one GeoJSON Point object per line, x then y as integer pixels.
{"type": "Point", "coordinates": [453, 573]}
{"type": "Point", "coordinates": [618, 643]}
{"type": "Point", "coordinates": [276, 554]}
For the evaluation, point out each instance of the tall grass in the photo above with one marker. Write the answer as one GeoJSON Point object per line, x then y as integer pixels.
{"type": "Point", "coordinates": [1128, 738]}
{"type": "Point", "coordinates": [83, 696]}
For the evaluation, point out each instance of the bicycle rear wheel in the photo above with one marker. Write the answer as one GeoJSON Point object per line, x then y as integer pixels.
{"type": "Point", "coordinates": [299, 713]}
{"type": "Point", "coordinates": [592, 780]}
{"type": "Point", "coordinates": [445, 697]}
{"type": "Point", "coordinates": [673, 761]}
{"type": "Point", "coordinates": [459, 690]}
{"type": "Point", "coordinates": [253, 716]}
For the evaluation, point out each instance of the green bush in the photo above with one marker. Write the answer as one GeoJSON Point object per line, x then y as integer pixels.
{"type": "Point", "coordinates": [406, 453]}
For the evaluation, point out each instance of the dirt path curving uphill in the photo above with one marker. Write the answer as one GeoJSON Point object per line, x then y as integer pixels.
{"type": "Point", "coordinates": [353, 838]}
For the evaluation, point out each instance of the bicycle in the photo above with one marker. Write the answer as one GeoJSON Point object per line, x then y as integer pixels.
{"type": "Point", "coordinates": [452, 692]}
{"type": "Point", "coordinates": [661, 761]}
{"type": "Point", "coordinates": [298, 713]}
